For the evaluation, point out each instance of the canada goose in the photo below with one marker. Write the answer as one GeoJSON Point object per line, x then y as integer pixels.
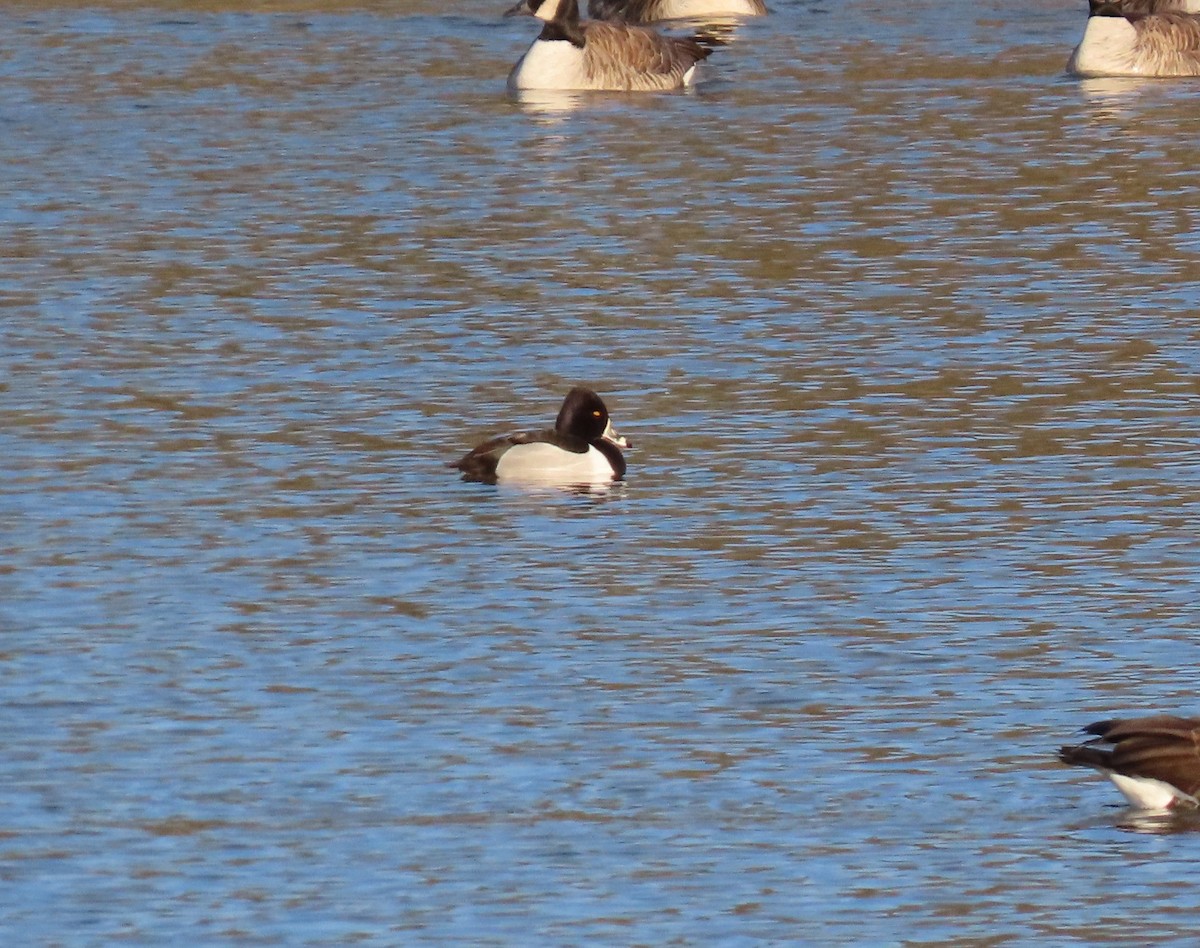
{"type": "Point", "coordinates": [1154, 761]}
{"type": "Point", "coordinates": [1155, 6]}
{"type": "Point", "coordinates": [581, 448]}
{"type": "Point", "coordinates": [1117, 42]}
{"type": "Point", "coordinates": [648, 11]}
{"type": "Point", "coordinates": [595, 54]}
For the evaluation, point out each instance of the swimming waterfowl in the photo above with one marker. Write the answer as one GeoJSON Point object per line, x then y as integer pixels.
{"type": "Point", "coordinates": [574, 54]}
{"type": "Point", "coordinates": [581, 448]}
{"type": "Point", "coordinates": [1156, 6]}
{"type": "Point", "coordinates": [1154, 761]}
{"type": "Point", "coordinates": [1138, 38]}
{"type": "Point", "coordinates": [648, 11]}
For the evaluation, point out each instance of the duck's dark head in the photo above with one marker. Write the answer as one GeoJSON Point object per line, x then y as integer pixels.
{"type": "Point", "coordinates": [584, 415]}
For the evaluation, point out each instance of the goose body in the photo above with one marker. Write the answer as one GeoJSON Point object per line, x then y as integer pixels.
{"type": "Point", "coordinates": [1151, 44]}
{"type": "Point", "coordinates": [1155, 6]}
{"type": "Point", "coordinates": [648, 11]}
{"type": "Point", "coordinates": [582, 448]}
{"type": "Point", "coordinates": [1153, 761]}
{"type": "Point", "coordinates": [574, 54]}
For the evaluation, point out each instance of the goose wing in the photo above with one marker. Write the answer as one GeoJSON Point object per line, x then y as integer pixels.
{"type": "Point", "coordinates": [1168, 33]}
{"type": "Point", "coordinates": [1168, 43]}
{"type": "Point", "coordinates": [1132, 7]}
{"type": "Point", "coordinates": [632, 57]}
{"type": "Point", "coordinates": [1162, 748]}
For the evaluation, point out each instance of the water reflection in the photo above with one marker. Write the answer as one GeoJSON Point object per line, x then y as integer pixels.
{"type": "Point", "coordinates": [1115, 95]}
{"type": "Point", "coordinates": [552, 104]}
{"type": "Point", "coordinates": [711, 32]}
{"type": "Point", "coordinates": [1159, 824]}
{"type": "Point", "coordinates": [519, 493]}
{"type": "Point", "coordinates": [533, 488]}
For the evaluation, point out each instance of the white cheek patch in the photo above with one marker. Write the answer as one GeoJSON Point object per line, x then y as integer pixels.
{"type": "Point", "coordinates": [549, 10]}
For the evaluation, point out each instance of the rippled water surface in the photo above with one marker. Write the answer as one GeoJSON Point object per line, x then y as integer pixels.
{"type": "Point", "coordinates": [903, 323]}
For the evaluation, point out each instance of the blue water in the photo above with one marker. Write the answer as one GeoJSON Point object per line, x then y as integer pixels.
{"type": "Point", "coordinates": [901, 322]}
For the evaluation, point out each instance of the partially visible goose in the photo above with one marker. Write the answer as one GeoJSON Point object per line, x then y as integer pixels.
{"type": "Point", "coordinates": [582, 448]}
{"type": "Point", "coordinates": [648, 11]}
{"type": "Point", "coordinates": [572, 54]}
{"type": "Point", "coordinates": [1119, 40]}
{"type": "Point", "coordinates": [1155, 761]}
{"type": "Point", "coordinates": [1156, 6]}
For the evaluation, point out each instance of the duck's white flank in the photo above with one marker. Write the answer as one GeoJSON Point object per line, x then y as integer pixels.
{"type": "Point", "coordinates": [1146, 793]}
{"type": "Point", "coordinates": [541, 463]}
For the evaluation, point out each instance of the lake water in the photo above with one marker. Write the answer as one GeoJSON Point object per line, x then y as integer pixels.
{"type": "Point", "coordinates": [903, 324]}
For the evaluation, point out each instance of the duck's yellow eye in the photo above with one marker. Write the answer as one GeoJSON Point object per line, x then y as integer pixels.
{"type": "Point", "coordinates": [596, 414]}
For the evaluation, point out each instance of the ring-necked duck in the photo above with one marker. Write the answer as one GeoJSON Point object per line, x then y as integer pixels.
{"type": "Point", "coordinates": [581, 448]}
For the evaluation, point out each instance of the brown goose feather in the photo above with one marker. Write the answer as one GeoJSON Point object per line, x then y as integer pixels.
{"type": "Point", "coordinates": [601, 55]}
{"type": "Point", "coordinates": [1162, 747]}
{"type": "Point", "coordinates": [621, 56]}
{"type": "Point", "coordinates": [1128, 7]}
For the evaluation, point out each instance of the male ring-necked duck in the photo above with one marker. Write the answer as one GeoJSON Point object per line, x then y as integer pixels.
{"type": "Point", "coordinates": [1154, 761]}
{"type": "Point", "coordinates": [581, 448]}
